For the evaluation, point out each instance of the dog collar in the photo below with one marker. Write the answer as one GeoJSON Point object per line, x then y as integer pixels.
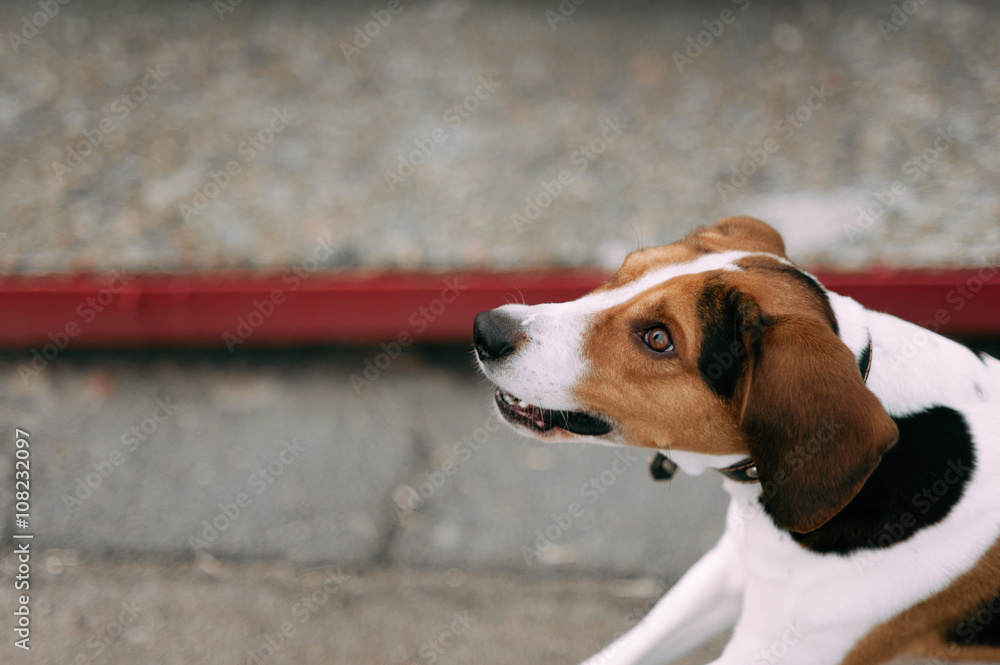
{"type": "Point", "coordinates": [745, 471]}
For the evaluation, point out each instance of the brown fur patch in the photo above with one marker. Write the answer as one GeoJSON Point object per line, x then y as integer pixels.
{"type": "Point", "coordinates": [642, 261]}
{"type": "Point", "coordinates": [922, 630]}
{"type": "Point", "coordinates": [814, 430]}
{"type": "Point", "coordinates": [742, 233]}
{"type": "Point", "coordinates": [733, 233]}
{"type": "Point", "coordinates": [812, 289]}
{"type": "Point", "coordinates": [657, 401]}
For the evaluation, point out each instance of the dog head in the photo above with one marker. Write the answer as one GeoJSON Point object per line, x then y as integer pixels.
{"type": "Point", "coordinates": [716, 345]}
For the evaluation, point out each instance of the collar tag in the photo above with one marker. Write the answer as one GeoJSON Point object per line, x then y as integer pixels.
{"type": "Point", "coordinates": [662, 468]}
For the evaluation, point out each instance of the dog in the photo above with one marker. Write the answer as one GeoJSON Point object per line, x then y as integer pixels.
{"type": "Point", "coordinates": [864, 522]}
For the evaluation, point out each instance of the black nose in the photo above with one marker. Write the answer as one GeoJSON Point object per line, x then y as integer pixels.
{"type": "Point", "coordinates": [495, 333]}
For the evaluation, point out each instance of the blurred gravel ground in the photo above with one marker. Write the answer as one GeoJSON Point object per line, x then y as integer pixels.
{"type": "Point", "coordinates": [212, 612]}
{"type": "Point", "coordinates": [882, 97]}
{"type": "Point", "coordinates": [142, 612]}
{"type": "Point", "coordinates": [409, 567]}
{"type": "Point", "coordinates": [329, 474]}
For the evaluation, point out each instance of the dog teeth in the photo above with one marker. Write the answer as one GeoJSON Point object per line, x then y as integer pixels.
{"type": "Point", "coordinates": [513, 401]}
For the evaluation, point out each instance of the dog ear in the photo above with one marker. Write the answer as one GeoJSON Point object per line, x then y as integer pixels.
{"type": "Point", "coordinates": [814, 429]}
{"type": "Point", "coordinates": [742, 233]}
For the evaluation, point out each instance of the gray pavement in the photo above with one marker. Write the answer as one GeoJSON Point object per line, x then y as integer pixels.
{"type": "Point", "coordinates": [409, 489]}
{"type": "Point", "coordinates": [261, 467]}
{"type": "Point", "coordinates": [146, 612]}
{"type": "Point", "coordinates": [236, 138]}
{"type": "Point", "coordinates": [212, 612]}
{"type": "Point", "coordinates": [275, 456]}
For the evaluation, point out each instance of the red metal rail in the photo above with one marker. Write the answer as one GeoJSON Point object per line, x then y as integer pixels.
{"type": "Point", "coordinates": [244, 309]}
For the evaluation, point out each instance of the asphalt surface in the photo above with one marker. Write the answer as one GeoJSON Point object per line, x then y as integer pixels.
{"type": "Point", "coordinates": [145, 612]}
{"type": "Point", "coordinates": [274, 455]}
{"type": "Point", "coordinates": [137, 457]}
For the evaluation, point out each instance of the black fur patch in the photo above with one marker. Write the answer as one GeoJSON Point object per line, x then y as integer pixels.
{"type": "Point", "coordinates": [723, 355]}
{"type": "Point", "coordinates": [981, 628]}
{"type": "Point", "coordinates": [914, 486]}
{"type": "Point", "coordinates": [865, 361]}
{"type": "Point", "coordinates": [725, 326]}
{"type": "Point", "coordinates": [809, 282]}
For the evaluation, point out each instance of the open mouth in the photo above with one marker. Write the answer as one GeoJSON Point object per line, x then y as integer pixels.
{"type": "Point", "coordinates": [543, 420]}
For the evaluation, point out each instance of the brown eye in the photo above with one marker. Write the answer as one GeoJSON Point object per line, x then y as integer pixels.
{"type": "Point", "coordinates": [658, 339]}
